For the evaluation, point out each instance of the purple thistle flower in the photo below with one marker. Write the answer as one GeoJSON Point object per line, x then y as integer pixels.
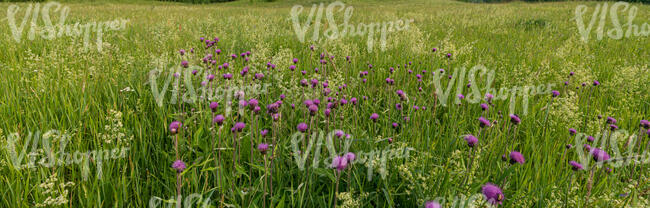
{"type": "Point", "coordinates": [516, 157]}
{"type": "Point", "coordinates": [613, 127]}
{"type": "Point", "coordinates": [611, 120]}
{"type": "Point", "coordinates": [179, 166]}
{"type": "Point", "coordinates": [461, 96]}
{"type": "Point", "coordinates": [339, 133]}
{"type": "Point", "coordinates": [599, 154]}
{"type": "Point", "coordinates": [590, 139]}
{"type": "Point", "coordinates": [313, 109]}
{"type": "Point", "coordinates": [273, 108]}
{"type": "Point", "coordinates": [483, 122]}
{"type": "Point", "coordinates": [434, 49]}
{"type": "Point", "coordinates": [648, 132]}
{"type": "Point", "coordinates": [471, 140]}
{"type": "Point", "coordinates": [174, 127]}
{"type": "Point", "coordinates": [569, 146]}
{"type": "Point", "coordinates": [448, 55]}
{"type": "Point", "coordinates": [253, 102]}
{"type": "Point", "coordinates": [596, 83]}
{"type": "Point", "coordinates": [302, 127]}
{"type": "Point", "coordinates": [182, 52]}
{"type": "Point", "coordinates": [645, 124]}
{"type": "Point", "coordinates": [292, 67]}
{"type": "Point", "coordinates": [575, 166]}
{"type": "Point", "coordinates": [184, 63]}
{"type": "Point", "coordinates": [262, 147]}
{"type": "Point", "coordinates": [243, 103]}
{"type": "Point", "coordinates": [350, 156]}
{"type": "Point", "coordinates": [555, 93]}
{"type": "Point", "coordinates": [572, 131]}
{"type": "Point", "coordinates": [374, 117]}
{"type": "Point", "coordinates": [239, 126]}
{"type": "Point", "coordinates": [432, 204]}
{"type": "Point", "coordinates": [227, 76]}
{"type": "Point", "coordinates": [492, 193]}
{"type": "Point", "coordinates": [587, 147]}
{"type": "Point", "coordinates": [264, 132]}
{"type": "Point", "coordinates": [515, 119]}
{"type": "Point", "coordinates": [489, 97]}
{"type": "Point", "coordinates": [244, 71]}
{"type": "Point", "coordinates": [213, 106]}
{"type": "Point", "coordinates": [484, 106]}
{"type": "Point", "coordinates": [295, 60]}
{"type": "Point", "coordinates": [259, 75]}
{"type": "Point", "coordinates": [218, 119]}
{"type": "Point", "coordinates": [340, 163]}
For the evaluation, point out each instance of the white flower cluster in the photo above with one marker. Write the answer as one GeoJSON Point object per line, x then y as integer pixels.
{"type": "Point", "coordinates": [350, 200]}
{"type": "Point", "coordinates": [115, 132]}
{"type": "Point", "coordinates": [56, 191]}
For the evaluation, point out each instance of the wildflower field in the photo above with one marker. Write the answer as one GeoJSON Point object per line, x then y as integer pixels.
{"type": "Point", "coordinates": [413, 103]}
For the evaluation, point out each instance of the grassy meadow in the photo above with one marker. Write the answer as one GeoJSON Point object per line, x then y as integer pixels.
{"type": "Point", "coordinates": [114, 103]}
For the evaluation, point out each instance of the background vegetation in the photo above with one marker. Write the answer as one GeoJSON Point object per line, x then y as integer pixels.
{"type": "Point", "coordinates": [55, 84]}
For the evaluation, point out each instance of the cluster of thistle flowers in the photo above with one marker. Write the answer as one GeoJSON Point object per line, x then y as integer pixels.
{"type": "Point", "coordinates": [336, 102]}
{"type": "Point", "coordinates": [249, 111]}
{"type": "Point", "coordinates": [320, 89]}
{"type": "Point", "coordinates": [610, 126]}
{"type": "Point", "coordinates": [493, 194]}
{"type": "Point", "coordinates": [601, 156]}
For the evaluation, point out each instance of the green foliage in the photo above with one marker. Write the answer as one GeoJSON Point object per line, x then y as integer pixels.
{"type": "Point", "coordinates": [198, 1]}
{"type": "Point", "coordinates": [502, 1]}
{"type": "Point", "coordinates": [102, 98]}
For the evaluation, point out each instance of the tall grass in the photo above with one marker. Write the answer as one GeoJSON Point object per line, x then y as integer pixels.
{"type": "Point", "coordinates": [54, 84]}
